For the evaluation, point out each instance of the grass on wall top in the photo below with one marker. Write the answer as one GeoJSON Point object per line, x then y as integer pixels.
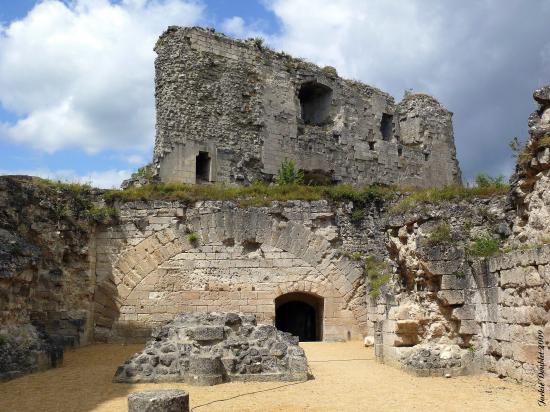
{"type": "Point", "coordinates": [261, 194]}
{"type": "Point", "coordinates": [257, 194]}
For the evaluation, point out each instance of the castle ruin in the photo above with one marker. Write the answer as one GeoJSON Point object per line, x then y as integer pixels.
{"type": "Point", "coordinates": [232, 111]}
{"type": "Point", "coordinates": [406, 274]}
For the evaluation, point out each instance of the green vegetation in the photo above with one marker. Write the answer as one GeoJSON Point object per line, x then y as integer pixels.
{"type": "Point", "coordinates": [357, 215]}
{"type": "Point", "coordinates": [330, 71]}
{"type": "Point", "coordinates": [441, 233]}
{"type": "Point", "coordinates": [438, 195]}
{"type": "Point", "coordinates": [193, 238]}
{"type": "Point", "coordinates": [544, 141]}
{"type": "Point", "coordinates": [288, 174]}
{"type": "Point", "coordinates": [78, 204]}
{"type": "Point", "coordinates": [258, 42]}
{"type": "Point", "coordinates": [101, 214]}
{"type": "Point", "coordinates": [145, 172]}
{"type": "Point", "coordinates": [485, 181]}
{"type": "Point", "coordinates": [355, 256]}
{"type": "Point", "coordinates": [378, 274]}
{"type": "Point", "coordinates": [484, 246]}
{"type": "Point", "coordinates": [3, 340]}
{"type": "Point", "coordinates": [257, 194]}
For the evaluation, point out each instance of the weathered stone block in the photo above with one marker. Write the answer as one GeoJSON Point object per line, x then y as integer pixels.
{"type": "Point", "coordinates": [205, 333]}
{"type": "Point", "coordinates": [466, 312]}
{"type": "Point", "coordinates": [453, 282]}
{"type": "Point", "coordinates": [469, 327]}
{"type": "Point", "coordinates": [168, 400]}
{"type": "Point", "coordinates": [451, 297]}
{"type": "Point", "coordinates": [512, 277]}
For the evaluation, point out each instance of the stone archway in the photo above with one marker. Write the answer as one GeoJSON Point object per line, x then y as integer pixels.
{"type": "Point", "coordinates": [300, 314]}
{"type": "Point", "coordinates": [242, 261]}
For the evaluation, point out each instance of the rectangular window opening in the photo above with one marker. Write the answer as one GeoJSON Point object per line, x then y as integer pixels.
{"type": "Point", "coordinates": [386, 126]}
{"type": "Point", "coordinates": [203, 167]}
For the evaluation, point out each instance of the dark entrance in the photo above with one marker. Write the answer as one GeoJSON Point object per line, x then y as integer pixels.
{"type": "Point", "coordinates": [203, 167]}
{"type": "Point", "coordinates": [300, 314]}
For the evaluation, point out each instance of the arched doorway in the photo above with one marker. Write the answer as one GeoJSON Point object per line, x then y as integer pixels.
{"type": "Point", "coordinates": [300, 314]}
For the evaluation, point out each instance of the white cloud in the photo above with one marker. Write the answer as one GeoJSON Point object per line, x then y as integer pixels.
{"type": "Point", "coordinates": [105, 179]}
{"type": "Point", "coordinates": [80, 73]}
{"type": "Point", "coordinates": [236, 26]}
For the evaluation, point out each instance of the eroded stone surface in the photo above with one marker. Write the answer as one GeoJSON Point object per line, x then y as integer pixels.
{"type": "Point", "coordinates": [211, 348]}
{"type": "Point", "coordinates": [247, 108]}
{"type": "Point", "coordinates": [168, 400]}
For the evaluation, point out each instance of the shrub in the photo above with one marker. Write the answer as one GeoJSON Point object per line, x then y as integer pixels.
{"type": "Point", "coordinates": [484, 247]}
{"type": "Point", "coordinates": [441, 233]}
{"type": "Point", "coordinates": [355, 256]}
{"type": "Point", "coordinates": [330, 71]}
{"type": "Point", "coordinates": [193, 238]}
{"type": "Point", "coordinates": [484, 181]}
{"type": "Point", "coordinates": [101, 214]}
{"type": "Point", "coordinates": [544, 141]}
{"type": "Point", "coordinates": [378, 274]}
{"type": "Point", "coordinates": [288, 174]}
{"type": "Point", "coordinates": [357, 215]}
{"type": "Point", "coordinates": [145, 172]}
{"type": "Point", "coordinates": [258, 42]}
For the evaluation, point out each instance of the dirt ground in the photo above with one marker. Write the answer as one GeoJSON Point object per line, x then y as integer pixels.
{"type": "Point", "coordinates": [346, 379]}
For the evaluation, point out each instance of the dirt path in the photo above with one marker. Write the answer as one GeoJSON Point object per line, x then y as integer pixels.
{"type": "Point", "coordinates": [346, 379]}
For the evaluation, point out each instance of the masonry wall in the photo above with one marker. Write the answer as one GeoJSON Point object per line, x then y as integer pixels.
{"type": "Point", "coordinates": [448, 311]}
{"type": "Point", "coordinates": [244, 258]}
{"type": "Point", "coordinates": [517, 327]}
{"type": "Point", "coordinates": [241, 104]}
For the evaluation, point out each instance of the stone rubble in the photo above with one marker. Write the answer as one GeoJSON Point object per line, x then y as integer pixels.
{"type": "Point", "coordinates": [211, 348]}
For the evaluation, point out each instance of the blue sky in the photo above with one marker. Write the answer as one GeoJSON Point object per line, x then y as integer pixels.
{"type": "Point", "coordinates": [76, 77]}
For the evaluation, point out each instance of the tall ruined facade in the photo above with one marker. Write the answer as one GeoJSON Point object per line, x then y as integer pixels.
{"type": "Point", "coordinates": [232, 111]}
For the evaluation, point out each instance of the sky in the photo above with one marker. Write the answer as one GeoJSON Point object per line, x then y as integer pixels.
{"type": "Point", "coordinates": [76, 76]}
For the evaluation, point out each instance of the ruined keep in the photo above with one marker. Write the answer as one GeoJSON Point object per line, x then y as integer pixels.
{"type": "Point", "coordinates": [233, 111]}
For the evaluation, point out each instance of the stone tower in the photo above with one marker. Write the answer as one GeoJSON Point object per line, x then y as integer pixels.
{"type": "Point", "coordinates": [232, 111]}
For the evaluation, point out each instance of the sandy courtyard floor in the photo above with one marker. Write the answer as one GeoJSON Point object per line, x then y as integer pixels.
{"type": "Point", "coordinates": [346, 379]}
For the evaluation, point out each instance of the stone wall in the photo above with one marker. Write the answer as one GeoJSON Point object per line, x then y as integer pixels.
{"type": "Point", "coordinates": [150, 267]}
{"type": "Point", "coordinates": [46, 276]}
{"type": "Point", "coordinates": [442, 311]}
{"type": "Point", "coordinates": [434, 298]}
{"type": "Point", "coordinates": [247, 108]}
{"type": "Point", "coordinates": [449, 311]}
{"type": "Point", "coordinates": [518, 307]}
